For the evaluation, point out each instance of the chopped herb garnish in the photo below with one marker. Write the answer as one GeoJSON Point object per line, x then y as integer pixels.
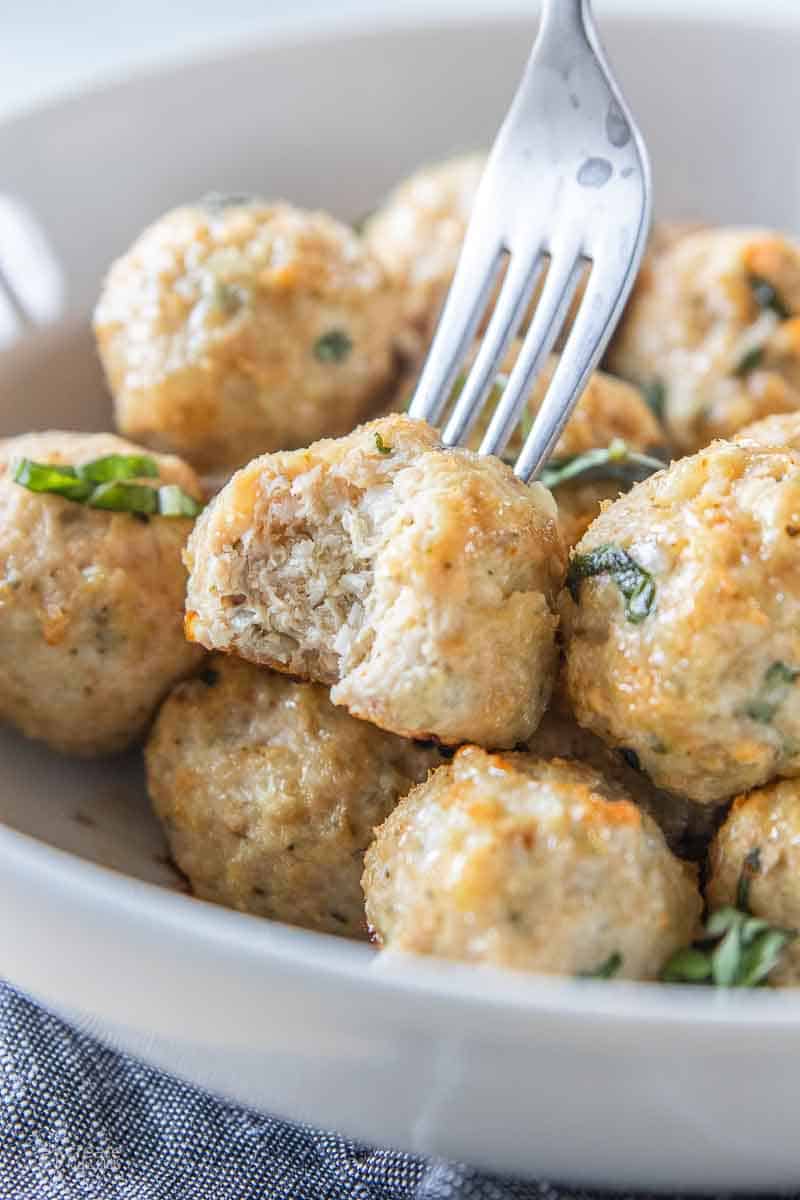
{"type": "Point", "coordinates": [615, 461]}
{"type": "Point", "coordinates": [108, 483]}
{"type": "Point", "coordinates": [750, 868]}
{"type": "Point", "coordinates": [381, 446]}
{"type": "Point", "coordinates": [736, 949]}
{"type": "Point", "coordinates": [173, 501]}
{"type": "Point", "coordinates": [119, 496]}
{"type": "Point", "coordinates": [630, 757]}
{"type": "Point", "coordinates": [119, 466]}
{"type": "Point", "coordinates": [636, 585]}
{"type": "Point", "coordinates": [749, 361]}
{"type": "Point", "coordinates": [767, 298]}
{"type": "Point", "coordinates": [333, 346]}
{"type": "Point", "coordinates": [777, 681]}
{"type": "Point", "coordinates": [654, 394]}
{"type": "Point", "coordinates": [56, 479]}
{"type": "Point", "coordinates": [606, 970]}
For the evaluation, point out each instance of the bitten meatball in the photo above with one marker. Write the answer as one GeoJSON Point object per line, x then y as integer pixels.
{"type": "Point", "coordinates": [417, 234]}
{"type": "Point", "coordinates": [91, 603]}
{"type": "Point", "coordinates": [231, 329]}
{"type": "Point", "coordinates": [682, 617]}
{"type": "Point", "coordinates": [714, 328]}
{"type": "Point", "coordinates": [520, 862]}
{"type": "Point", "coordinates": [418, 583]}
{"type": "Point", "coordinates": [760, 843]}
{"type": "Point", "coordinates": [269, 795]}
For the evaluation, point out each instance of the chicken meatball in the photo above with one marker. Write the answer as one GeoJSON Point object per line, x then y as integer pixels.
{"type": "Point", "coordinates": [418, 583]}
{"type": "Point", "coordinates": [760, 845]}
{"type": "Point", "coordinates": [231, 329]}
{"type": "Point", "coordinates": [91, 602]}
{"type": "Point", "coordinates": [687, 826]}
{"type": "Point", "coordinates": [520, 862]}
{"type": "Point", "coordinates": [269, 794]}
{"type": "Point", "coordinates": [418, 232]}
{"type": "Point", "coordinates": [714, 328]}
{"type": "Point", "coordinates": [682, 622]}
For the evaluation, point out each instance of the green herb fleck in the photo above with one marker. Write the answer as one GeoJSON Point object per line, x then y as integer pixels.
{"type": "Point", "coordinates": [228, 298]}
{"type": "Point", "coordinates": [173, 501]}
{"type": "Point", "coordinates": [654, 393]}
{"type": "Point", "coordinates": [615, 461]}
{"type": "Point", "coordinates": [749, 361]}
{"type": "Point", "coordinates": [736, 949]}
{"type": "Point", "coordinates": [333, 346]}
{"type": "Point", "coordinates": [606, 970]}
{"type": "Point", "coordinates": [777, 681]}
{"type": "Point", "coordinates": [636, 585]}
{"type": "Point", "coordinates": [119, 496]}
{"type": "Point", "coordinates": [119, 466]}
{"type": "Point", "coordinates": [750, 868]}
{"type": "Point", "coordinates": [381, 446]}
{"type": "Point", "coordinates": [55, 479]}
{"type": "Point", "coordinates": [767, 298]}
{"type": "Point", "coordinates": [107, 483]}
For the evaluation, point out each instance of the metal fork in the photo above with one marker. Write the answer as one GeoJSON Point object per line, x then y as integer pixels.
{"type": "Point", "coordinates": [566, 187]}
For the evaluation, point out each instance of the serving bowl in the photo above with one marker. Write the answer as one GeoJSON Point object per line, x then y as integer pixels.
{"type": "Point", "coordinates": [610, 1084]}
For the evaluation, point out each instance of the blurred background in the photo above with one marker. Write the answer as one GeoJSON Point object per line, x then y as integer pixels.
{"type": "Point", "coordinates": [49, 46]}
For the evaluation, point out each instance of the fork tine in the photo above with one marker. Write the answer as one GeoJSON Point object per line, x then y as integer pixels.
{"type": "Point", "coordinates": [594, 323]}
{"type": "Point", "coordinates": [518, 287]}
{"type": "Point", "coordinates": [469, 293]}
{"type": "Point", "coordinates": [563, 276]}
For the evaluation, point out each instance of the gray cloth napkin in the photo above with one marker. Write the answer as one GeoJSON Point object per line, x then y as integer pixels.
{"type": "Point", "coordinates": [80, 1122]}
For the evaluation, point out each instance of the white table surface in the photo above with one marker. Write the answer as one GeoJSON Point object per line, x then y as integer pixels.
{"type": "Point", "coordinates": [51, 46]}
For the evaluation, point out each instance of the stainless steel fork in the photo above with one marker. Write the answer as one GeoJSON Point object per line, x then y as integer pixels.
{"type": "Point", "coordinates": [566, 188]}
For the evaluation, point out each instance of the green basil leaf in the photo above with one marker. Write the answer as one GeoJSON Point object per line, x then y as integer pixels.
{"type": "Point", "coordinates": [333, 346]}
{"type": "Point", "coordinates": [119, 496]}
{"type": "Point", "coordinates": [688, 965]}
{"type": "Point", "coordinates": [119, 466]}
{"type": "Point", "coordinates": [173, 501]}
{"type": "Point", "coordinates": [615, 461]}
{"type": "Point", "coordinates": [778, 679]}
{"type": "Point", "coordinates": [634, 582]}
{"type": "Point", "coordinates": [52, 478]}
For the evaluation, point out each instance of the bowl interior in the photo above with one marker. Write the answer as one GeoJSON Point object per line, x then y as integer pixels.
{"type": "Point", "coordinates": [330, 124]}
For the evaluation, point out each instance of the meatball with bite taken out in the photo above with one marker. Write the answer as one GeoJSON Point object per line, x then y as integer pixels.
{"type": "Point", "coordinates": [234, 327]}
{"type": "Point", "coordinates": [516, 861]}
{"type": "Point", "coordinates": [682, 622]}
{"type": "Point", "coordinates": [91, 598]}
{"type": "Point", "coordinates": [269, 794]}
{"type": "Point", "coordinates": [418, 583]}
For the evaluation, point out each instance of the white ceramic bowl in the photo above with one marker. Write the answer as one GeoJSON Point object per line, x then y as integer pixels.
{"type": "Point", "coordinates": [608, 1084]}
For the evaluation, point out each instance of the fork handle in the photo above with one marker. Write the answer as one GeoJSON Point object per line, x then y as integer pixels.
{"type": "Point", "coordinates": [563, 18]}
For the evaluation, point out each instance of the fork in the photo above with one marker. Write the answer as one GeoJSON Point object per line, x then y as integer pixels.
{"type": "Point", "coordinates": [566, 188]}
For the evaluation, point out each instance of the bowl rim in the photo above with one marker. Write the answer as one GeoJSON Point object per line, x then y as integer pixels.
{"type": "Point", "coordinates": [419, 983]}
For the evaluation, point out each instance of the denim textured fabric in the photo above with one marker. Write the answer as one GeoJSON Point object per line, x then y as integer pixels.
{"type": "Point", "coordinates": [79, 1121]}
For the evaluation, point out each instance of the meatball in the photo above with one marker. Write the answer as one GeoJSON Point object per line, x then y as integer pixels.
{"type": "Point", "coordinates": [687, 826]}
{"type": "Point", "coordinates": [418, 583]}
{"type": "Point", "coordinates": [418, 232]}
{"type": "Point", "coordinates": [269, 794]}
{"type": "Point", "coordinates": [760, 843]}
{"type": "Point", "coordinates": [682, 624]}
{"type": "Point", "coordinates": [520, 862]}
{"type": "Point", "coordinates": [228, 330]}
{"type": "Point", "coordinates": [714, 327]}
{"type": "Point", "coordinates": [609, 412]}
{"type": "Point", "coordinates": [91, 603]}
